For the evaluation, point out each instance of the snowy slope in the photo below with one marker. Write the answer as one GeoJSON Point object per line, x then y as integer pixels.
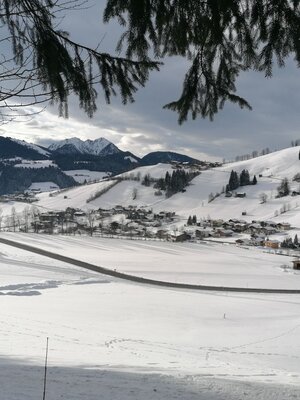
{"type": "Point", "coordinates": [125, 341]}
{"type": "Point", "coordinates": [129, 341]}
{"type": "Point", "coordinates": [36, 164]}
{"type": "Point", "coordinates": [272, 168]}
{"type": "Point", "coordinates": [85, 175]}
{"type": "Point", "coordinates": [31, 146]}
{"type": "Point", "coordinates": [76, 197]}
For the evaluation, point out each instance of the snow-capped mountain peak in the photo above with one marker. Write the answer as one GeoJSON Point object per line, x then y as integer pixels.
{"type": "Point", "coordinates": [100, 146]}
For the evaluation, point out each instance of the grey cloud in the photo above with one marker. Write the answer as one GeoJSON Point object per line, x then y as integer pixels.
{"type": "Point", "coordinates": [144, 125]}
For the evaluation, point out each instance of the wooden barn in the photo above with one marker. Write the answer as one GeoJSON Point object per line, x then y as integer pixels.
{"type": "Point", "coordinates": [296, 264]}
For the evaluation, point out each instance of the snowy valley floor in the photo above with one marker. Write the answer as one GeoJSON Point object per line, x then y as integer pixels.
{"type": "Point", "coordinates": [110, 339]}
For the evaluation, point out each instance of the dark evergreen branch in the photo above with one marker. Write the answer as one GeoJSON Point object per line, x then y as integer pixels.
{"type": "Point", "coordinates": [232, 35]}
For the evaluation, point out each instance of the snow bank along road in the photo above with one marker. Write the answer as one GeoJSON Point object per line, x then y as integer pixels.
{"type": "Point", "coordinates": [133, 278]}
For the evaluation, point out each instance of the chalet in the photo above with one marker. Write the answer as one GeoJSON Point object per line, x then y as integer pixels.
{"type": "Point", "coordinates": [269, 223]}
{"type": "Point", "coordinates": [240, 227]}
{"type": "Point", "coordinates": [162, 234]}
{"type": "Point", "coordinates": [49, 216]}
{"type": "Point", "coordinates": [224, 232]}
{"type": "Point", "coordinates": [180, 237]}
{"type": "Point", "coordinates": [254, 228]}
{"type": "Point", "coordinates": [217, 222]}
{"type": "Point", "coordinates": [257, 241]}
{"type": "Point", "coordinates": [269, 230]}
{"type": "Point", "coordinates": [203, 233]}
{"type": "Point", "coordinates": [273, 244]}
{"type": "Point", "coordinates": [237, 221]}
{"type": "Point", "coordinates": [285, 226]}
{"type": "Point", "coordinates": [296, 264]}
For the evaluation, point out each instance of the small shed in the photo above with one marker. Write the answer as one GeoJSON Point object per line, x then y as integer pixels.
{"type": "Point", "coordinates": [240, 194]}
{"type": "Point", "coordinates": [296, 264]}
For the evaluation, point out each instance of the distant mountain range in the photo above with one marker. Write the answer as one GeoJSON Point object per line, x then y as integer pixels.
{"type": "Point", "coordinates": [98, 147]}
{"type": "Point", "coordinates": [100, 153]}
{"type": "Point", "coordinates": [75, 154]}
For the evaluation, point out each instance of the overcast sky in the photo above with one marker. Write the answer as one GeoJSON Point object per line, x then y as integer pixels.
{"type": "Point", "coordinates": [144, 126]}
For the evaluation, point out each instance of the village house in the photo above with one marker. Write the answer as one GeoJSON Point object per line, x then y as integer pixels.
{"type": "Point", "coordinates": [269, 223]}
{"type": "Point", "coordinates": [217, 222]}
{"type": "Point", "coordinates": [269, 230]}
{"type": "Point", "coordinates": [203, 233]}
{"type": "Point", "coordinates": [180, 237]}
{"type": "Point", "coordinates": [162, 234]}
{"type": "Point", "coordinates": [273, 244]}
{"type": "Point", "coordinates": [224, 232]}
{"type": "Point", "coordinates": [285, 226]}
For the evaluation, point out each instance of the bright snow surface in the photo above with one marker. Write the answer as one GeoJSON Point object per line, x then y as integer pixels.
{"type": "Point", "coordinates": [113, 339]}
{"type": "Point", "coordinates": [84, 175]}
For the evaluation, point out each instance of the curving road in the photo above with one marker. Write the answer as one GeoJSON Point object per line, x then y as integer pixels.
{"type": "Point", "coordinates": [133, 278]}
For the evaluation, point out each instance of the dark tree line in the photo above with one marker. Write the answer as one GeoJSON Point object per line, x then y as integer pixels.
{"type": "Point", "coordinates": [14, 180]}
{"type": "Point", "coordinates": [175, 182]}
{"type": "Point", "coordinates": [284, 188]}
{"type": "Point", "coordinates": [220, 39]}
{"type": "Point", "coordinates": [289, 243]}
{"type": "Point", "coordinates": [243, 179]}
{"type": "Point", "coordinates": [192, 220]}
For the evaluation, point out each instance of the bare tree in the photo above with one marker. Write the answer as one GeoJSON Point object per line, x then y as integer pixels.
{"type": "Point", "coordinates": [263, 198]}
{"type": "Point", "coordinates": [1, 218]}
{"type": "Point", "coordinates": [134, 193]}
{"type": "Point", "coordinates": [13, 218]}
{"type": "Point", "coordinates": [35, 215]}
{"type": "Point", "coordinates": [26, 216]}
{"type": "Point", "coordinates": [91, 218]}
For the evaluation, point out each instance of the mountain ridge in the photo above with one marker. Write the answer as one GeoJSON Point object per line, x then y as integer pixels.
{"type": "Point", "coordinates": [100, 146]}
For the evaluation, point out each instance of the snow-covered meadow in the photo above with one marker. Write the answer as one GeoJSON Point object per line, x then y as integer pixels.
{"type": "Point", "coordinates": [113, 339]}
{"type": "Point", "coordinates": [85, 175]}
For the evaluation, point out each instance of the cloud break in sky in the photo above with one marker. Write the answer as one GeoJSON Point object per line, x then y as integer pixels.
{"type": "Point", "coordinates": [144, 126]}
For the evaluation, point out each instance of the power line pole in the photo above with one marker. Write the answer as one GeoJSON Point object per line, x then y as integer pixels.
{"type": "Point", "coordinates": [45, 373]}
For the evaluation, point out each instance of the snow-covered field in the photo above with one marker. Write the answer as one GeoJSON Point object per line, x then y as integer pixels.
{"type": "Point", "coordinates": [117, 340]}
{"type": "Point", "coordinates": [113, 339]}
{"type": "Point", "coordinates": [42, 187]}
{"type": "Point", "coordinates": [36, 164]}
{"type": "Point", "coordinates": [85, 175]}
{"type": "Point", "coordinates": [204, 263]}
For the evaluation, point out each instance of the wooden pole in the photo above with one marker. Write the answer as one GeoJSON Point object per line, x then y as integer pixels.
{"type": "Point", "coordinates": [45, 373]}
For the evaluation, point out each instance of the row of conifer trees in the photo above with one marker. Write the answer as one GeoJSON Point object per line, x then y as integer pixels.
{"type": "Point", "coordinates": [243, 179]}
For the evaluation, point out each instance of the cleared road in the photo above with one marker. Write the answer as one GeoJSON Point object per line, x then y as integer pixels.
{"type": "Point", "coordinates": [133, 278]}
